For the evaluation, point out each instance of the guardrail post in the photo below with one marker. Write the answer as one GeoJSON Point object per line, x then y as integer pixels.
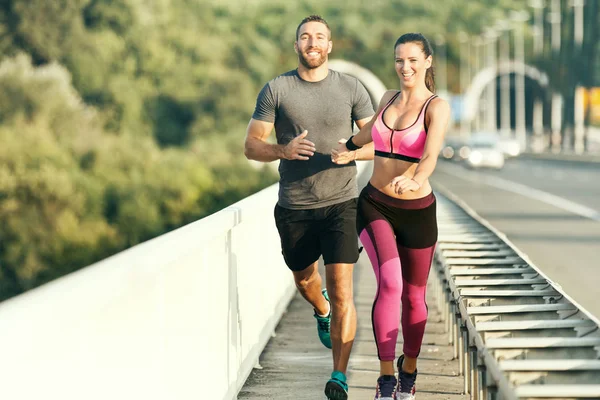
{"type": "Point", "coordinates": [492, 392]}
{"type": "Point", "coordinates": [442, 297]}
{"type": "Point", "coordinates": [460, 328]}
{"type": "Point", "coordinates": [481, 382]}
{"type": "Point", "coordinates": [473, 388]}
{"type": "Point", "coordinates": [456, 324]}
{"type": "Point", "coordinates": [449, 317]}
{"type": "Point", "coordinates": [466, 361]}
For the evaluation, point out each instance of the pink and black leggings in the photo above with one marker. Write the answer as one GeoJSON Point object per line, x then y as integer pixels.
{"type": "Point", "coordinates": [399, 237]}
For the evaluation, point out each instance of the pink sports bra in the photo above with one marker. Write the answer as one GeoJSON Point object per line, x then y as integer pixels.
{"type": "Point", "coordinates": [405, 144]}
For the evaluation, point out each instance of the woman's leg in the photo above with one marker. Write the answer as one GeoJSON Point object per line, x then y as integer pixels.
{"type": "Point", "coordinates": [416, 247]}
{"type": "Point", "coordinates": [379, 242]}
{"type": "Point", "coordinates": [416, 266]}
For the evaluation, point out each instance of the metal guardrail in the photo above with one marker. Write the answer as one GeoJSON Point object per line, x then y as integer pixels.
{"type": "Point", "coordinates": [516, 334]}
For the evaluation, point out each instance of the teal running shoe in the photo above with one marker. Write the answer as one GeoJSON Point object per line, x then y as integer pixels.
{"type": "Point", "coordinates": [324, 324]}
{"type": "Point", "coordinates": [336, 387]}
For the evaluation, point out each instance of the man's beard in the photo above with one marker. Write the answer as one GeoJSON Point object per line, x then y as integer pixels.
{"type": "Point", "coordinates": [312, 63]}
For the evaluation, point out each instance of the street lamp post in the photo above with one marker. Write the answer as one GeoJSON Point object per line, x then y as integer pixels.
{"type": "Point", "coordinates": [538, 47]}
{"type": "Point", "coordinates": [441, 74]}
{"type": "Point", "coordinates": [491, 36]}
{"type": "Point", "coordinates": [579, 129]}
{"type": "Point", "coordinates": [557, 100]}
{"type": "Point", "coordinates": [477, 45]}
{"type": "Point", "coordinates": [463, 38]}
{"type": "Point", "coordinates": [504, 56]}
{"type": "Point", "coordinates": [538, 32]}
{"type": "Point", "coordinates": [521, 134]}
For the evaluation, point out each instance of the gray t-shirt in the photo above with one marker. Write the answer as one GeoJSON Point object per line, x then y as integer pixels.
{"type": "Point", "coordinates": [326, 109]}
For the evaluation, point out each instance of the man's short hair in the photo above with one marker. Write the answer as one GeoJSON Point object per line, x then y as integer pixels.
{"type": "Point", "coordinates": [313, 18]}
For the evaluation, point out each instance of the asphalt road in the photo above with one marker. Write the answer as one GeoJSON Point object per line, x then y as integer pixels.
{"type": "Point", "coordinates": [550, 210]}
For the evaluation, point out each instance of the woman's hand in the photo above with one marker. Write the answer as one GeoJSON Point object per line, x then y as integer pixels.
{"type": "Point", "coordinates": [402, 184]}
{"type": "Point", "coordinates": [341, 154]}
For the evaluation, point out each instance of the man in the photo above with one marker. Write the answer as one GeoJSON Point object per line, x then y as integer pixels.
{"type": "Point", "coordinates": [310, 108]}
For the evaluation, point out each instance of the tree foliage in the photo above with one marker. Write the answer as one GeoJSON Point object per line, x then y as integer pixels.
{"type": "Point", "coordinates": [123, 119]}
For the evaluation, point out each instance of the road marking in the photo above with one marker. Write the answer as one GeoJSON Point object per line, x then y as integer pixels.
{"type": "Point", "coordinates": [523, 190]}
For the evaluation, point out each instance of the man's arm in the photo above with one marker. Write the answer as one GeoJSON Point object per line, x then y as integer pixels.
{"type": "Point", "coordinates": [257, 148]}
{"type": "Point", "coordinates": [341, 154]}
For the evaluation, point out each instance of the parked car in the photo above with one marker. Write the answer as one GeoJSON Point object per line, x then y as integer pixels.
{"type": "Point", "coordinates": [455, 148]}
{"type": "Point", "coordinates": [509, 146]}
{"type": "Point", "coordinates": [484, 153]}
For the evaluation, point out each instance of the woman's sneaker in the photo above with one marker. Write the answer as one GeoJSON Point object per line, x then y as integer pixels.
{"type": "Point", "coordinates": [324, 324]}
{"type": "Point", "coordinates": [405, 390]}
{"type": "Point", "coordinates": [386, 388]}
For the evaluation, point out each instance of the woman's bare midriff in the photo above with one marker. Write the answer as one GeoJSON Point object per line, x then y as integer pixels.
{"type": "Point", "coordinates": [386, 169]}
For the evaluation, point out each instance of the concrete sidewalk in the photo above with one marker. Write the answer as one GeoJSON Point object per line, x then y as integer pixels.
{"type": "Point", "coordinates": [295, 365]}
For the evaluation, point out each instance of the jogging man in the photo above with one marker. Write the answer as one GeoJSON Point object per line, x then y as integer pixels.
{"type": "Point", "coordinates": [311, 107]}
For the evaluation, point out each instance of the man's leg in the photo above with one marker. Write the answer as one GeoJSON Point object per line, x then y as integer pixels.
{"type": "Point", "coordinates": [308, 281]}
{"type": "Point", "coordinates": [343, 326]}
{"type": "Point", "coordinates": [339, 243]}
{"type": "Point", "coordinates": [300, 248]}
{"type": "Point", "coordinates": [343, 313]}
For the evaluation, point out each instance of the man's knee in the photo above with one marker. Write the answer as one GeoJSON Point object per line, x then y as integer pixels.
{"type": "Point", "coordinates": [340, 296]}
{"type": "Point", "coordinates": [306, 277]}
{"type": "Point", "coordinates": [303, 283]}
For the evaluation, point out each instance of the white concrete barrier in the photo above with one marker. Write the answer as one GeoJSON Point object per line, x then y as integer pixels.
{"type": "Point", "coordinates": [182, 316]}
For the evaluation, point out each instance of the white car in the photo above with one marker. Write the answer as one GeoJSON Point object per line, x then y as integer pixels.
{"type": "Point", "coordinates": [484, 155]}
{"type": "Point", "coordinates": [509, 146]}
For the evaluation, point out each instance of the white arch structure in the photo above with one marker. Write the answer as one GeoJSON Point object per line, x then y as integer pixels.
{"type": "Point", "coordinates": [486, 75]}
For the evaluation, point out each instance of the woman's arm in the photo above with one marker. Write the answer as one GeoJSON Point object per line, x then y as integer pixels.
{"type": "Point", "coordinates": [438, 115]}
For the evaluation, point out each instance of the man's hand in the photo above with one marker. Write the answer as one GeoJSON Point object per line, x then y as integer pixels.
{"type": "Point", "coordinates": [299, 148]}
{"type": "Point", "coordinates": [341, 154]}
{"type": "Point", "coordinates": [402, 184]}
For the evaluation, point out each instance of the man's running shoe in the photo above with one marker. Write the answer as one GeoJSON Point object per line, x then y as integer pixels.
{"type": "Point", "coordinates": [324, 324]}
{"type": "Point", "coordinates": [386, 388]}
{"type": "Point", "coordinates": [337, 388]}
{"type": "Point", "coordinates": [406, 382]}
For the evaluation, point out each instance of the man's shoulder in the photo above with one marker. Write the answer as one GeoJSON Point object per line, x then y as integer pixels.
{"type": "Point", "coordinates": [284, 79]}
{"type": "Point", "coordinates": [344, 78]}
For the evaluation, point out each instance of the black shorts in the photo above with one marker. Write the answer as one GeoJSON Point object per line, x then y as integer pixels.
{"type": "Point", "coordinates": [414, 221]}
{"type": "Point", "coordinates": [307, 234]}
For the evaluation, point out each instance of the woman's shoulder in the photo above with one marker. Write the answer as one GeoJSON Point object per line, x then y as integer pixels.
{"type": "Point", "coordinates": [437, 108]}
{"type": "Point", "coordinates": [387, 96]}
{"type": "Point", "coordinates": [437, 103]}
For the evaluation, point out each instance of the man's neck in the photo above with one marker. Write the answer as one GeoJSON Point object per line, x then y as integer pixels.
{"type": "Point", "coordinates": [314, 74]}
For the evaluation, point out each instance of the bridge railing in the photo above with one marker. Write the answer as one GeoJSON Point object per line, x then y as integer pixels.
{"type": "Point", "coordinates": [516, 334]}
{"type": "Point", "coordinates": [182, 316]}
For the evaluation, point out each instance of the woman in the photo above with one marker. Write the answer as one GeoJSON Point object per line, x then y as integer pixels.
{"type": "Point", "coordinates": [396, 218]}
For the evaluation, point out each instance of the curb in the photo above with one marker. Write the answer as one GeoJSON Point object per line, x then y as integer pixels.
{"type": "Point", "coordinates": [572, 158]}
